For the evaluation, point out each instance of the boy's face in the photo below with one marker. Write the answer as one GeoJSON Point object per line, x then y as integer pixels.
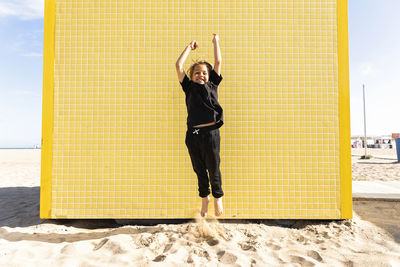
{"type": "Point", "coordinates": [200, 74]}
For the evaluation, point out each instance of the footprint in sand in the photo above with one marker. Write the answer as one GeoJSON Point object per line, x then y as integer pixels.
{"type": "Point", "coordinates": [246, 246]}
{"type": "Point", "coordinates": [190, 259]}
{"type": "Point", "coordinates": [167, 247]}
{"type": "Point", "coordinates": [159, 258]}
{"type": "Point", "coordinates": [200, 253]}
{"type": "Point", "coordinates": [348, 263]}
{"type": "Point", "coordinates": [226, 257]}
{"type": "Point", "coordinates": [302, 239]}
{"type": "Point", "coordinates": [326, 235]}
{"type": "Point", "coordinates": [249, 233]}
{"type": "Point", "coordinates": [146, 240]}
{"type": "Point", "coordinates": [315, 255]}
{"type": "Point", "coordinates": [212, 241]}
{"type": "Point", "coordinates": [302, 261]}
{"type": "Point", "coordinates": [273, 246]}
{"type": "Point", "coordinates": [251, 245]}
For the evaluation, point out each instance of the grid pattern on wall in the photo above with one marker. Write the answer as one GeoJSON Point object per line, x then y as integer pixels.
{"type": "Point", "coordinates": [120, 116]}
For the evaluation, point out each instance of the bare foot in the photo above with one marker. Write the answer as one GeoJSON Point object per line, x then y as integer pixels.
{"type": "Point", "coordinates": [204, 206]}
{"type": "Point", "coordinates": [218, 206]}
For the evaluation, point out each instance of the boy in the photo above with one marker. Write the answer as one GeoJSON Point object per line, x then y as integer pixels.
{"type": "Point", "coordinates": [205, 117]}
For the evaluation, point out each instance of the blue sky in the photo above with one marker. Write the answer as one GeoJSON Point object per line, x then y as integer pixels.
{"type": "Point", "coordinates": [374, 60]}
{"type": "Point", "coordinates": [21, 64]}
{"type": "Point", "coordinates": [374, 39]}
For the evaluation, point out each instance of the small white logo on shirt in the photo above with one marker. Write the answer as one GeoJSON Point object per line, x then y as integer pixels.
{"type": "Point", "coordinates": [196, 131]}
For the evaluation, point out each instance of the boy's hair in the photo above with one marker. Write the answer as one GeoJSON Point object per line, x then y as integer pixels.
{"type": "Point", "coordinates": [199, 62]}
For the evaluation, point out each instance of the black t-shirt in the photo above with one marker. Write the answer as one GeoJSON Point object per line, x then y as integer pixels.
{"type": "Point", "coordinates": [202, 100]}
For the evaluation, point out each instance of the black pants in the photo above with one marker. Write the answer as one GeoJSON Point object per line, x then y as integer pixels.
{"type": "Point", "coordinates": [204, 146]}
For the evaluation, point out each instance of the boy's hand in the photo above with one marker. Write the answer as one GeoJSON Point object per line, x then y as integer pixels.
{"type": "Point", "coordinates": [193, 45]}
{"type": "Point", "coordinates": [216, 38]}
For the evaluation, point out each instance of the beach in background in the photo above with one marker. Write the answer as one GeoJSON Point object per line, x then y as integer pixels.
{"type": "Point", "coordinates": [383, 165]}
{"type": "Point", "coordinates": [372, 238]}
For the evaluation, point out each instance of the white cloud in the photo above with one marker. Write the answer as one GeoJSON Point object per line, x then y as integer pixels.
{"type": "Point", "coordinates": [24, 9]}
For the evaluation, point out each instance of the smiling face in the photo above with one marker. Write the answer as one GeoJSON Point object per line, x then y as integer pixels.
{"type": "Point", "coordinates": [200, 74]}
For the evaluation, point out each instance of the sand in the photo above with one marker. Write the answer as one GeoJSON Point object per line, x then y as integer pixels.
{"type": "Point", "coordinates": [383, 165]}
{"type": "Point", "coordinates": [372, 238]}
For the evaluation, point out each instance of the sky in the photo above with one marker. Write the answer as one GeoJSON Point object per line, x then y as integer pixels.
{"type": "Point", "coordinates": [374, 60]}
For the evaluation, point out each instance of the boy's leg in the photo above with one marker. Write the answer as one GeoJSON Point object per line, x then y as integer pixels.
{"type": "Point", "coordinates": [212, 162]}
{"type": "Point", "coordinates": [218, 206]}
{"type": "Point", "coordinates": [204, 206]}
{"type": "Point", "coordinates": [212, 159]}
{"type": "Point", "coordinates": [193, 144]}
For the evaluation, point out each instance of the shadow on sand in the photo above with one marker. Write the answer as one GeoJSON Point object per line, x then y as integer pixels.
{"type": "Point", "coordinates": [379, 163]}
{"type": "Point", "coordinates": [19, 207]}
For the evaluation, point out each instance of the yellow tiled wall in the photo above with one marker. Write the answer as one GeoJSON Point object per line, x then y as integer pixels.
{"type": "Point", "coordinates": [116, 146]}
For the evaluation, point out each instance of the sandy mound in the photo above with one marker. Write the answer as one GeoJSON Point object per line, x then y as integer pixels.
{"type": "Point", "coordinates": [305, 243]}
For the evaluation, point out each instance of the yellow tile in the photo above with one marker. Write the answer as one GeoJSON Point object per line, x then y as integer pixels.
{"type": "Point", "coordinates": [119, 112]}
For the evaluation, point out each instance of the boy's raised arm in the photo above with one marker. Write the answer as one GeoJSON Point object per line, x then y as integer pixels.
{"type": "Point", "coordinates": [179, 63]}
{"type": "Point", "coordinates": [217, 54]}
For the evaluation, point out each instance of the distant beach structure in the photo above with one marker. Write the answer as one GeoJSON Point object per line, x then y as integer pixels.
{"type": "Point", "coordinates": [382, 141]}
{"type": "Point", "coordinates": [357, 143]}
